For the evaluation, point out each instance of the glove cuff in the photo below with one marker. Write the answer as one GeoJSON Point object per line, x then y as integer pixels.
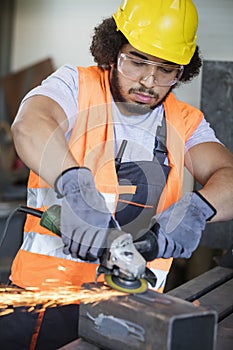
{"type": "Point", "coordinates": [207, 208]}
{"type": "Point", "coordinates": [61, 180]}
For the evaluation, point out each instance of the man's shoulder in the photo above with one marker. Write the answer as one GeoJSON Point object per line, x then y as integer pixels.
{"type": "Point", "coordinates": [185, 108]}
{"type": "Point", "coordinates": [90, 70]}
{"type": "Point", "coordinates": [181, 104]}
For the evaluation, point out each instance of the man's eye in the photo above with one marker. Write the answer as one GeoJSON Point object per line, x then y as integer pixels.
{"type": "Point", "coordinates": [166, 70]}
{"type": "Point", "coordinates": [138, 64]}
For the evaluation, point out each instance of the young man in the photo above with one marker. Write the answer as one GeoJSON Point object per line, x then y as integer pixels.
{"type": "Point", "coordinates": [69, 131]}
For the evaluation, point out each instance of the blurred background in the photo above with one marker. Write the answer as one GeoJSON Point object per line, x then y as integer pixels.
{"type": "Point", "coordinates": [36, 37]}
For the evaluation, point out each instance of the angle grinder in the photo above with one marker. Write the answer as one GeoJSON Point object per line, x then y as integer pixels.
{"type": "Point", "coordinates": [124, 268]}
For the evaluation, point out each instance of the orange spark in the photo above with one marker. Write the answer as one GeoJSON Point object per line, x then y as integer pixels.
{"type": "Point", "coordinates": [11, 297]}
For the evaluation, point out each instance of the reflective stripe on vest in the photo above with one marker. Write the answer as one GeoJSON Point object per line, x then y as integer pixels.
{"type": "Point", "coordinates": [92, 145]}
{"type": "Point", "coordinates": [41, 197]}
{"type": "Point", "coordinates": [45, 244]}
{"type": "Point", "coordinates": [45, 197]}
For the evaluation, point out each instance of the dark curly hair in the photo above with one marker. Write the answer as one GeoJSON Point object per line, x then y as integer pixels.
{"type": "Point", "coordinates": [107, 41]}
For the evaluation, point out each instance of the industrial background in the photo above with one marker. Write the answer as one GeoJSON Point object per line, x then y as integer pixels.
{"type": "Point", "coordinates": [37, 37]}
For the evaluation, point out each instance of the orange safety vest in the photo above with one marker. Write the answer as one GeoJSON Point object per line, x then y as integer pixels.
{"type": "Point", "coordinates": [92, 145]}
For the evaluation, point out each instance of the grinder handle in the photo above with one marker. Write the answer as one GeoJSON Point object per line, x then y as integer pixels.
{"type": "Point", "coordinates": [147, 244]}
{"type": "Point", "coordinates": [50, 218]}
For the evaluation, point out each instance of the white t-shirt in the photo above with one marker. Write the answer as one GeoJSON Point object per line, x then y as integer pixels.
{"type": "Point", "coordinates": [138, 130]}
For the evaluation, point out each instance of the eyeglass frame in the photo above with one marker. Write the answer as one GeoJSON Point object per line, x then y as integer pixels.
{"type": "Point", "coordinates": [180, 68]}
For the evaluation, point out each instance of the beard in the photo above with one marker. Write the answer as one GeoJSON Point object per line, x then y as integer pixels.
{"type": "Point", "coordinates": [134, 108]}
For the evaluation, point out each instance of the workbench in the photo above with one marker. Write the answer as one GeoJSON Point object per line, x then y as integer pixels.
{"type": "Point", "coordinates": [213, 291]}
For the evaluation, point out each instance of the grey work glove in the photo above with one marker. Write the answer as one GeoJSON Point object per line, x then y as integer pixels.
{"type": "Point", "coordinates": [177, 231]}
{"type": "Point", "coordinates": [182, 224]}
{"type": "Point", "coordinates": [85, 218]}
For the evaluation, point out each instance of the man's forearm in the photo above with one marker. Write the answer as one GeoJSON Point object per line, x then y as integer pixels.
{"type": "Point", "coordinates": [44, 155]}
{"type": "Point", "coordinates": [219, 192]}
{"type": "Point", "coordinates": [211, 164]}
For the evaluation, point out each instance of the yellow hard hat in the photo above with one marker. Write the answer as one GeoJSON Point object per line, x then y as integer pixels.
{"type": "Point", "coordinates": [161, 28]}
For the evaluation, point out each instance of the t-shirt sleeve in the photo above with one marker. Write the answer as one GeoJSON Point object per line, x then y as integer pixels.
{"type": "Point", "coordinates": [203, 133]}
{"type": "Point", "coordinates": [62, 87]}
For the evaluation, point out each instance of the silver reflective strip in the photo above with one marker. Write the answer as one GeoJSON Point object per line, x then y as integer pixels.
{"type": "Point", "coordinates": [161, 278]}
{"type": "Point", "coordinates": [46, 245]}
{"type": "Point", "coordinates": [38, 197]}
{"type": "Point", "coordinates": [110, 199]}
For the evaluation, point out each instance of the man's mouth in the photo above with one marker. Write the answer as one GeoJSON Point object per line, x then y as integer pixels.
{"type": "Point", "coordinates": [142, 96]}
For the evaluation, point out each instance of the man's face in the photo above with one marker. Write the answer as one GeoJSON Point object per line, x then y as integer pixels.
{"type": "Point", "coordinates": [139, 95]}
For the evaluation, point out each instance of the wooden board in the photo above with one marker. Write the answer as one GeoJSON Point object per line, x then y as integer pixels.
{"type": "Point", "coordinates": [16, 84]}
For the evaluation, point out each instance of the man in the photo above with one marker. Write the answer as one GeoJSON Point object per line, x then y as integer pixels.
{"type": "Point", "coordinates": [69, 132]}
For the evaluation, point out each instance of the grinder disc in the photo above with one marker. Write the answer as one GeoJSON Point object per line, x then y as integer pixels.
{"type": "Point", "coordinates": [133, 287]}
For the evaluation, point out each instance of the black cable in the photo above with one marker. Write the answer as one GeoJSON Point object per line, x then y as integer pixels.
{"type": "Point", "coordinates": [23, 209]}
{"type": "Point", "coordinates": [32, 211]}
{"type": "Point", "coordinates": [6, 226]}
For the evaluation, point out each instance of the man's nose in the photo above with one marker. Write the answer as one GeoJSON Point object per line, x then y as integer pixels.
{"type": "Point", "coordinates": [148, 81]}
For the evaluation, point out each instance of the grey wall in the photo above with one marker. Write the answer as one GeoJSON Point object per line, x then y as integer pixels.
{"type": "Point", "coordinates": [217, 105]}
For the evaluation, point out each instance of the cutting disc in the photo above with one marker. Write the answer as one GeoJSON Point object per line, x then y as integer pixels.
{"type": "Point", "coordinates": [133, 287]}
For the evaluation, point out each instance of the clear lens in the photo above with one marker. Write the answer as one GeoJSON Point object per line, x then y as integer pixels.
{"type": "Point", "coordinates": [138, 69]}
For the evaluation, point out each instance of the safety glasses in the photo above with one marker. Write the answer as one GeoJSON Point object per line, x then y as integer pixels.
{"type": "Point", "coordinates": [138, 69]}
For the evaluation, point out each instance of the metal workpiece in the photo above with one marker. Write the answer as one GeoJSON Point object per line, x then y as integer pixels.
{"type": "Point", "coordinates": [79, 344]}
{"type": "Point", "coordinates": [110, 326]}
{"type": "Point", "coordinates": [150, 320]}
